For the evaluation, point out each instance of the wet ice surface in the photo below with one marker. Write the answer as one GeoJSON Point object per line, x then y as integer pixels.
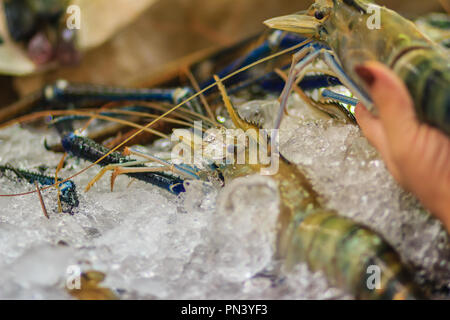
{"type": "Point", "coordinates": [353, 180]}
{"type": "Point", "coordinates": [209, 242]}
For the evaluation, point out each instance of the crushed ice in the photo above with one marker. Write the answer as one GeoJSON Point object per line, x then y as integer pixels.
{"type": "Point", "coordinates": [210, 242]}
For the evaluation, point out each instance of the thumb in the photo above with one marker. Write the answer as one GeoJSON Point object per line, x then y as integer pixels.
{"type": "Point", "coordinates": [392, 99]}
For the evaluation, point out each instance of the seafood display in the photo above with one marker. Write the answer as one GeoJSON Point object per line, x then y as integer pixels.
{"type": "Point", "coordinates": [220, 124]}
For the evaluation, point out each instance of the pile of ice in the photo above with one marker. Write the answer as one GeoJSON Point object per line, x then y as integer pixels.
{"type": "Point", "coordinates": [209, 242]}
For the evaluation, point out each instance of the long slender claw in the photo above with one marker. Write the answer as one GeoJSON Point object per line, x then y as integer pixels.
{"type": "Point", "coordinates": [99, 175]}
{"type": "Point", "coordinates": [114, 175]}
{"type": "Point", "coordinates": [237, 120]}
{"type": "Point", "coordinates": [188, 171]}
{"type": "Point", "coordinates": [111, 167]}
{"type": "Point", "coordinates": [251, 129]}
{"type": "Point", "coordinates": [118, 170]}
{"type": "Point", "coordinates": [339, 97]}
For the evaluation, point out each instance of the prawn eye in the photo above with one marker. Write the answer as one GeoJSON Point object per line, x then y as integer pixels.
{"type": "Point", "coordinates": [319, 15]}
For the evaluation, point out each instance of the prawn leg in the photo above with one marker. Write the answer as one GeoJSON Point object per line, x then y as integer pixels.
{"type": "Point", "coordinates": [278, 40]}
{"type": "Point", "coordinates": [67, 189]}
{"type": "Point", "coordinates": [89, 150]}
{"type": "Point", "coordinates": [328, 94]}
{"type": "Point", "coordinates": [300, 61]}
{"type": "Point", "coordinates": [63, 92]}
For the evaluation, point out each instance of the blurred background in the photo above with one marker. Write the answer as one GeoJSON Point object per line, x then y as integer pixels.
{"type": "Point", "coordinates": [133, 40]}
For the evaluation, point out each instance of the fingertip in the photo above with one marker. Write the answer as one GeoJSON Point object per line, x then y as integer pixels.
{"type": "Point", "coordinates": [362, 115]}
{"type": "Point", "coordinates": [360, 111]}
{"type": "Point", "coordinates": [391, 98]}
{"type": "Point", "coordinates": [386, 88]}
{"type": "Point", "coordinates": [368, 124]}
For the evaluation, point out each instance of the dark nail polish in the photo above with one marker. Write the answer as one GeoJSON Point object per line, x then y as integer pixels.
{"type": "Point", "coordinates": [365, 74]}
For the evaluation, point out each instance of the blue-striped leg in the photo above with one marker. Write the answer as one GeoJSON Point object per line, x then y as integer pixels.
{"type": "Point", "coordinates": [305, 57]}
{"type": "Point", "coordinates": [89, 150]}
{"type": "Point", "coordinates": [68, 193]}
{"type": "Point", "coordinates": [63, 92]}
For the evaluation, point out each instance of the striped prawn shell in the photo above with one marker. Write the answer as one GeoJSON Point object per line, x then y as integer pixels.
{"type": "Point", "coordinates": [426, 73]}
{"type": "Point", "coordinates": [349, 255]}
{"type": "Point", "coordinates": [337, 246]}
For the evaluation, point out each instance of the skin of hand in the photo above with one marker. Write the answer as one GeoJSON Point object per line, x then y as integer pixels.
{"type": "Point", "coordinates": [417, 155]}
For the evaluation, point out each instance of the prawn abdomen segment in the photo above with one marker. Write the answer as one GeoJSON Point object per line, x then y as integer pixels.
{"type": "Point", "coordinates": [426, 74]}
{"type": "Point", "coordinates": [351, 256]}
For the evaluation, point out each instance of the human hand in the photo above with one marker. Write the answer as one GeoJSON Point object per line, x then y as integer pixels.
{"type": "Point", "coordinates": [417, 155]}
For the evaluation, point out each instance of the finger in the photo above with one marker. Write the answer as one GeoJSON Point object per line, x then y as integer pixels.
{"type": "Point", "coordinates": [370, 125]}
{"type": "Point", "coordinates": [392, 99]}
{"type": "Point", "coordinates": [374, 131]}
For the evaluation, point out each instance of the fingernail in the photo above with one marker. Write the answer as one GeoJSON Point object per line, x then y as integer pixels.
{"type": "Point", "coordinates": [365, 74]}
